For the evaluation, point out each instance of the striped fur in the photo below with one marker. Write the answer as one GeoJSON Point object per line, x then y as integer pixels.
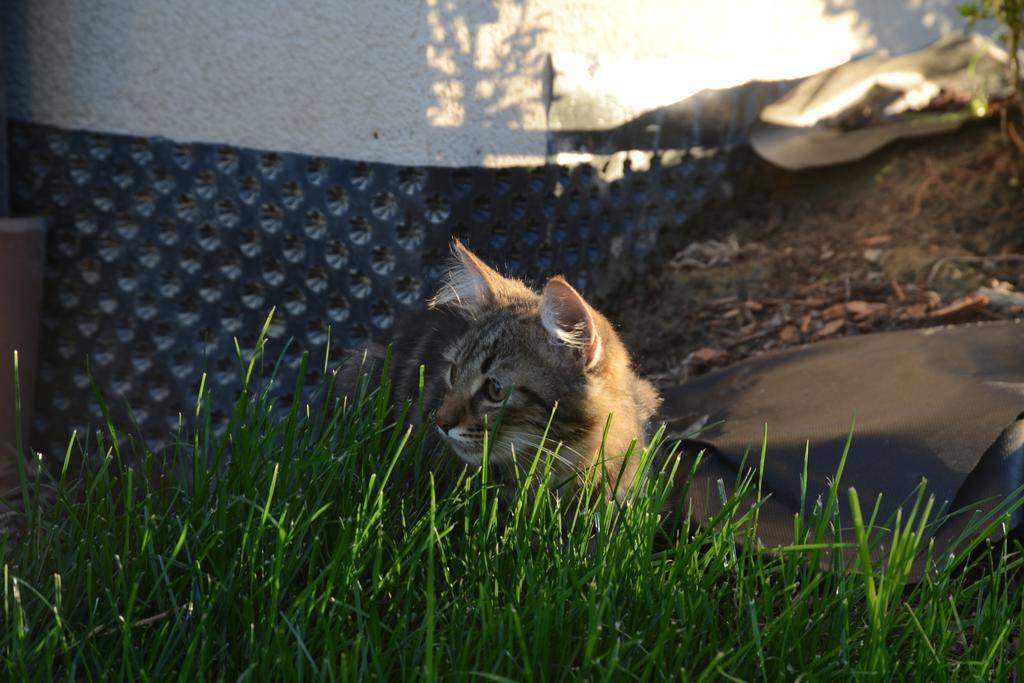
{"type": "Point", "coordinates": [491, 346]}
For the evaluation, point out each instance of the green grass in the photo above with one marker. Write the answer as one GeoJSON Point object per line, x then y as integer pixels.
{"type": "Point", "coordinates": [312, 543]}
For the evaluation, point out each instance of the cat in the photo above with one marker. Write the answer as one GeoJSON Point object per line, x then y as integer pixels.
{"type": "Point", "coordinates": [497, 354]}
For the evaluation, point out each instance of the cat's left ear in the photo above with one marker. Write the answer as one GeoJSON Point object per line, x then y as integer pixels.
{"type": "Point", "coordinates": [570, 320]}
{"type": "Point", "coordinates": [470, 284]}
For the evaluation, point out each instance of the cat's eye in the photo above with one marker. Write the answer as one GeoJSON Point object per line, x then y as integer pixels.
{"type": "Point", "coordinates": [495, 391]}
{"type": "Point", "coordinates": [451, 374]}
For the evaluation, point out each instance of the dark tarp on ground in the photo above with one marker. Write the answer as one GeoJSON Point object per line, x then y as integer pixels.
{"type": "Point", "coordinates": [945, 404]}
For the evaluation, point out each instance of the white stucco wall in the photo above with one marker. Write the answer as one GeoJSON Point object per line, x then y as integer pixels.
{"type": "Point", "coordinates": [447, 82]}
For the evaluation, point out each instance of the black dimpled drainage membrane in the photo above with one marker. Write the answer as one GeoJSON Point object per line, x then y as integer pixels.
{"type": "Point", "coordinates": [161, 254]}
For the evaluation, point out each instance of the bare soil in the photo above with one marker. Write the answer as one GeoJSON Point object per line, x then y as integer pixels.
{"type": "Point", "coordinates": [904, 238]}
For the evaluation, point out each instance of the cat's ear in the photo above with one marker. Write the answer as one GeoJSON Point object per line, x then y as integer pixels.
{"type": "Point", "coordinates": [470, 284]}
{"type": "Point", "coordinates": [570, 321]}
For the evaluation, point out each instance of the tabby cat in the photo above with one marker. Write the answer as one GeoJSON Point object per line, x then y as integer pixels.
{"type": "Point", "coordinates": [490, 346]}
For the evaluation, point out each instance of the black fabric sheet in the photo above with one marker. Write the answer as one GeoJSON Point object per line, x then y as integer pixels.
{"type": "Point", "coordinates": [943, 404]}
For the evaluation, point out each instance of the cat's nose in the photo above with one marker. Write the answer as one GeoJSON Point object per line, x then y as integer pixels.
{"type": "Point", "coordinates": [444, 424]}
{"type": "Point", "coordinates": [449, 414]}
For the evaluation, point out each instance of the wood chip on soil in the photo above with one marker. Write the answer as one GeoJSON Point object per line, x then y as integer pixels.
{"type": "Point", "coordinates": [830, 328]}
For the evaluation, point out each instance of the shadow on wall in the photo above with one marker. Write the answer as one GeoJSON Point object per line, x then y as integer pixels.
{"type": "Point", "coordinates": [488, 76]}
{"type": "Point", "coordinates": [711, 119]}
{"type": "Point", "coordinates": [490, 81]}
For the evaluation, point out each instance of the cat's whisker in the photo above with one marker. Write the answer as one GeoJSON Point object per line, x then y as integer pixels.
{"type": "Point", "coordinates": [565, 447]}
{"type": "Point", "coordinates": [521, 470]}
{"type": "Point", "coordinates": [561, 445]}
{"type": "Point", "coordinates": [558, 457]}
{"type": "Point", "coordinates": [555, 451]}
